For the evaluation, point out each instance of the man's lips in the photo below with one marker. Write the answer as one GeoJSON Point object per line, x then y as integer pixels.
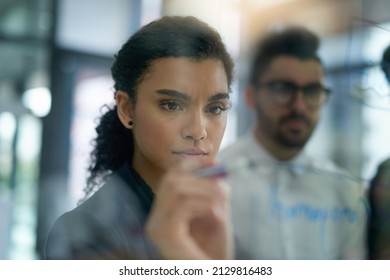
{"type": "Point", "coordinates": [296, 122]}
{"type": "Point", "coordinates": [191, 153]}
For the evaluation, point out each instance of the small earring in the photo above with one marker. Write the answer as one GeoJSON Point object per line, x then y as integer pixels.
{"type": "Point", "coordinates": [130, 123]}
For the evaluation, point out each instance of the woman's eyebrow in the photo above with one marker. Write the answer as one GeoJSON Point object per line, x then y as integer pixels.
{"type": "Point", "coordinates": [173, 93]}
{"type": "Point", "coordinates": [186, 97]}
{"type": "Point", "coordinates": [219, 96]}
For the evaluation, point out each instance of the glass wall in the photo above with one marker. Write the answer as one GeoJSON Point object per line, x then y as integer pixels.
{"type": "Point", "coordinates": [55, 76]}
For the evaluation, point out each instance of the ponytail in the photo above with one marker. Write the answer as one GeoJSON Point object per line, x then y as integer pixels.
{"type": "Point", "coordinates": [113, 146]}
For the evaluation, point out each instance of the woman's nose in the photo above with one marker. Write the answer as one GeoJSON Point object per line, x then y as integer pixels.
{"type": "Point", "coordinates": [195, 127]}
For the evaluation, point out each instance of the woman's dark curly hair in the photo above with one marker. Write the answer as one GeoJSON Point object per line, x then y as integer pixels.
{"type": "Point", "coordinates": [167, 37]}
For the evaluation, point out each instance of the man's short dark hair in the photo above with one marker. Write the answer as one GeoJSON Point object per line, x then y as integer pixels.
{"type": "Point", "coordinates": [293, 41]}
{"type": "Point", "coordinates": [385, 63]}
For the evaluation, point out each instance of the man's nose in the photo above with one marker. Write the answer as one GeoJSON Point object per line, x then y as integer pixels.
{"type": "Point", "coordinates": [299, 102]}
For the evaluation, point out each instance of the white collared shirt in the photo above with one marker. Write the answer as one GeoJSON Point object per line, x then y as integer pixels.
{"type": "Point", "coordinates": [299, 209]}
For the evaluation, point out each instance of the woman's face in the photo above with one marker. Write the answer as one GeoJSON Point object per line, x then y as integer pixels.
{"type": "Point", "coordinates": [180, 112]}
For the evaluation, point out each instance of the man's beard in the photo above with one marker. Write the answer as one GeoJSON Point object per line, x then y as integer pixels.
{"type": "Point", "coordinates": [299, 138]}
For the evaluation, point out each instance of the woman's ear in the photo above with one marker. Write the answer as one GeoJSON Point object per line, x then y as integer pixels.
{"type": "Point", "coordinates": [125, 109]}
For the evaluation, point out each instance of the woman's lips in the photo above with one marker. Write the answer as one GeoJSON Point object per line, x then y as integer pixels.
{"type": "Point", "coordinates": [191, 153]}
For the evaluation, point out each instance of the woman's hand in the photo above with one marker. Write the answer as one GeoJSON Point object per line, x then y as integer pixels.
{"type": "Point", "coordinates": [190, 217]}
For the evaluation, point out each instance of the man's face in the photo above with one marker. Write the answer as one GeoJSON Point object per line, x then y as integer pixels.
{"type": "Point", "coordinates": [288, 126]}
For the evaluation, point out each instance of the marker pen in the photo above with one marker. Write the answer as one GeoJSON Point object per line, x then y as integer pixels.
{"type": "Point", "coordinates": [223, 170]}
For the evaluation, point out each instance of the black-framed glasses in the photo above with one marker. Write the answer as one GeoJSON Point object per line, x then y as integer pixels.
{"type": "Point", "coordinates": [284, 92]}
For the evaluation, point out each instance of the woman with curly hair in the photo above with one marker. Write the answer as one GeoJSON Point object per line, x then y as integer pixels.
{"type": "Point", "coordinates": [143, 199]}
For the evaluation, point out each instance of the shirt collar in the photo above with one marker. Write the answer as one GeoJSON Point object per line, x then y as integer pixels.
{"type": "Point", "coordinates": [260, 155]}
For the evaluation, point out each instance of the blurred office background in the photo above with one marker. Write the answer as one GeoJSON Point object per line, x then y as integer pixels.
{"type": "Point", "coordinates": [55, 58]}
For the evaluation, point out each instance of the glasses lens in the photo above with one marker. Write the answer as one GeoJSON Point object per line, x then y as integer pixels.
{"type": "Point", "coordinates": [315, 94]}
{"type": "Point", "coordinates": [283, 92]}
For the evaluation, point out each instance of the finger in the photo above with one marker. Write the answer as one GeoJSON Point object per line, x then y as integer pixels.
{"type": "Point", "coordinates": [178, 190]}
{"type": "Point", "coordinates": [190, 165]}
{"type": "Point", "coordinates": [179, 183]}
{"type": "Point", "coordinates": [165, 224]}
{"type": "Point", "coordinates": [214, 200]}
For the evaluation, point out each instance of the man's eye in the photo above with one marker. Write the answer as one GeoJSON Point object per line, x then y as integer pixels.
{"type": "Point", "coordinates": [314, 90]}
{"type": "Point", "coordinates": [283, 87]}
{"type": "Point", "coordinates": [170, 106]}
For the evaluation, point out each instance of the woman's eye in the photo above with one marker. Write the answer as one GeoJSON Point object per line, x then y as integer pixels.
{"type": "Point", "coordinates": [171, 106]}
{"type": "Point", "coordinates": [217, 109]}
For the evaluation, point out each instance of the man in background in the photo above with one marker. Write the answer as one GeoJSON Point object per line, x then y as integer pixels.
{"type": "Point", "coordinates": [291, 205]}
